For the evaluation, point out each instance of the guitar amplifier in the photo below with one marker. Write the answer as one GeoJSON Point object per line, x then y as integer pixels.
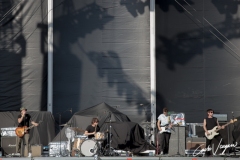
{"type": "Point", "coordinates": [193, 143]}
{"type": "Point", "coordinates": [9, 144]}
{"type": "Point", "coordinates": [36, 150]}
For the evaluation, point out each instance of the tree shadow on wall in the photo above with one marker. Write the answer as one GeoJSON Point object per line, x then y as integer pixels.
{"type": "Point", "coordinates": [108, 61]}
{"type": "Point", "coordinates": [12, 51]}
{"type": "Point", "coordinates": [226, 6]}
{"type": "Point", "coordinates": [177, 4]}
{"type": "Point", "coordinates": [74, 30]}
{"type": "Point", "coordinates": [135, 7]}
{"type": "Point", "coordinates": [185, 46]}
{"type": "Point", "coordinates": [181, 49]}
{"type": "Point", "coordinates": [73, 24]}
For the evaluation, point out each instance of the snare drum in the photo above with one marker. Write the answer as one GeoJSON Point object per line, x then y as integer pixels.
{"type": "Point", "coordinates": [99, 136]}
{"type": "Point", "coordinates": [89, 147]}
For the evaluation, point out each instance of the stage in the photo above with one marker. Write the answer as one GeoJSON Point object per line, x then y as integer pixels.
{"type": "Point", "coordinates": [122, 158]}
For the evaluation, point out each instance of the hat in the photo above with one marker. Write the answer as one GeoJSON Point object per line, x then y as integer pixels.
{"type": "Point", "coordinates": [210, 110]}
{"type": "Point", "coordinates": [23, 108]}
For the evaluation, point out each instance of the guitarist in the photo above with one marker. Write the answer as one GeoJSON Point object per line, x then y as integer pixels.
{"type": "Point", "coordinates": [23, 120]}
{"type": "Point", "coordinates": [164, 121]}
{"type": "Point", "coordinates": [209, 123]}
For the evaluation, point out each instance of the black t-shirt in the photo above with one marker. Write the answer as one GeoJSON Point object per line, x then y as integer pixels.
{"type": "Point", "coordinates": [25, 121]}
{"type": "Point", "coordinates": [211, 123]}
{"type": "Point", "coordinates": [91, 129]}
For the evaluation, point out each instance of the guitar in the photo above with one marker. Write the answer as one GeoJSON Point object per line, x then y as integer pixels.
{"type": "Point", "coordinates": [20, 131]}
{"type": "Point", "coordinates": [164, 128]}
{"type": "Point", "coordinates": [213, 132]}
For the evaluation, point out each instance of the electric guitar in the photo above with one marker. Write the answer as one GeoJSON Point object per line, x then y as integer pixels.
{"type": "Point", "coordinates": [164, 128]}
{"type": "Point", "coordinates": [20, 131]}
{"type": "Point", "coordinates": [213, 132]}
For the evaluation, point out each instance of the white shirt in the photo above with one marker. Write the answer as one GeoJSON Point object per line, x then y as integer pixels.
{"type": "Point", "coordinates": [164, 121]}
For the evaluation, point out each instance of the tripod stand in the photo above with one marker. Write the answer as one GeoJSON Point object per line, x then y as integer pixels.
{"type": "Point", "coordinates": [148, 130]}
{"type": "Point", "coordinates": [60, 136]}
{"type": "Point", "coordinates": [110, 150]}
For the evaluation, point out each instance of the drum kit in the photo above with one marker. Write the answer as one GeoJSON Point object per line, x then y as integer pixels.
{"type": "Point", "coordinates": [80, 145]}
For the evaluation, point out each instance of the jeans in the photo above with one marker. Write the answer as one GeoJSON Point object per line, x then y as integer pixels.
{"type": "Point", "coordinates": [22, 142]}
{"type": "Point", "coordinates": [164, 142]}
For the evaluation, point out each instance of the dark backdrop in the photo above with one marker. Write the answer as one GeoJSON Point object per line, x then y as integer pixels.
{"type": "Point", "coordinates": [101, 54]}
{"type": "Point", "coordinates": [23, 62]}
{"type": "Point", "coordinates": [198, 57]}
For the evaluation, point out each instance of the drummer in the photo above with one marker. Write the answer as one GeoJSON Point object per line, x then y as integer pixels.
{"type": "Point", "coordinates": [92, 129]}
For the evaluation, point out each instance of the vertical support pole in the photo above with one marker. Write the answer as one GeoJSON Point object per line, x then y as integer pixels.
{"type": "Point", "coordinates": [50, 57]}
{"type": "Point", "coordinates": [153, 66]}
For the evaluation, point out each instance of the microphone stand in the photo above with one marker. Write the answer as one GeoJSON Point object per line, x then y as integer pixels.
{"type": "Point", "coordinates": [60, 117]}
{"type": "Point", "coordinates": [110, 134]}
{"type": "Point", "coordinates": [234, 149]}
{"type": "Point", "coordinates": [60, 148]}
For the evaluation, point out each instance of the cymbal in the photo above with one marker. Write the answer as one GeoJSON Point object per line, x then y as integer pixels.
{"type": "Point", "coordinates": [66, 124]}
{"type": "Point", "coordinates": [77, 129]}
{"type": "Point", "coordinates": [110, 122]}
{"type": "Point", "coordinates": [146, 122]}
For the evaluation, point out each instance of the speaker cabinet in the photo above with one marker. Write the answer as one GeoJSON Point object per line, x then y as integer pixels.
{"type": "Point", "coordinates": [36, 150]}
{"type": "Point", "coordinates": [193, 143]}
{"type": "Point", "coordinates": [177, 141]}
{"type": "Point", "coordinates": [9, 144]}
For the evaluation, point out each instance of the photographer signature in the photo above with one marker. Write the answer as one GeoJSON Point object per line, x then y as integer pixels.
{"type": "Point", "coordinates": [224, 147]}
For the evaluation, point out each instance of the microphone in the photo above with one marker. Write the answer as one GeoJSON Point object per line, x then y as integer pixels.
{"type": "Point", "coordinates": [70, 110]}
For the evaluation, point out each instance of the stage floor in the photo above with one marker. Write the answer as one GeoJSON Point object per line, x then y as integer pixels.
{"type": "Point", "coordinates": [121, 158]}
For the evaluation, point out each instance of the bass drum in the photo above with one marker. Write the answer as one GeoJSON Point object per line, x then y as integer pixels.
{"type": "Point", "coordinates": [89, 147]}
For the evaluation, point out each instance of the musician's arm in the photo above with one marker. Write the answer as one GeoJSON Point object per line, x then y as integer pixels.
{"type": "Point", "coordinates": [34, 123]}
{"type": "Point", "coordinates": [20, 119]}
{"type": "Point", "coordinates": [87, 134]}
{"type": "Point", "coordinates": [222, 127]}
{"type": "Point", "coordinates": [205, 126]}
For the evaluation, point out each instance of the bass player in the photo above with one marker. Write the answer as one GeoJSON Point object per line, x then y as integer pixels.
{"type": "Point", "coordinates": [208, 124]}
{"type": "Point", "coordinates": [164, 126]}
{"type": "Point", "coordinates": [23, 121]}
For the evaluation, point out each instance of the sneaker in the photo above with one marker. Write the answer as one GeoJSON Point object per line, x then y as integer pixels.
{"type": "Point", "coordinates": [17, 154]}
{"type": "Point", "coordinates": [161, 153]}
{"type": "Point", "coordinates": [29, 154]}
